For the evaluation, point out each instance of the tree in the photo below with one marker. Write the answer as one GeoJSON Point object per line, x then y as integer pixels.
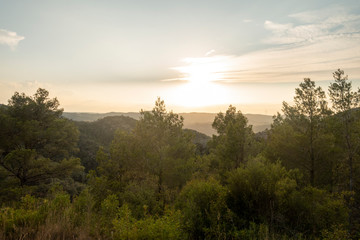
{"type": "Point", "coordinates": [264, 192]}
{"type": "Point", "coordinates": [254, 190]}
{"type": "Point", "coordinates": [233, 139]}
{"type": "Point", "coordinates": [298, 137]}
{"type": "Point", "coordinates": [158, 148]}
{"type": "Point", "coordinates": [343, 102]}
{"type": "Point", "coordinates": [36, 143]}
{"type": "Point", "coordinates": [310, 103]}
{"type": "Point", "coordinates": [99, 133]}
{"type": "Point", "coordinates": [204, 209]}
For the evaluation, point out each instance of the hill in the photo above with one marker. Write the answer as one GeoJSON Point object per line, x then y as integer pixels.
{"type": "Point", "coordinates": [200, 122]}
{"type": "Point", "coordinates": [89, 117]}
{"type": "Point", "coordinates": [101, 132]}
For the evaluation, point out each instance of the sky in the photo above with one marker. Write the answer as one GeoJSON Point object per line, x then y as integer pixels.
{"type": "Point", "coordinates": [102, 56]}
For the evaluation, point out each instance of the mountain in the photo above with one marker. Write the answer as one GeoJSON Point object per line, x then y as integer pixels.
{"type": "Point", "coordinates": [200, 122]}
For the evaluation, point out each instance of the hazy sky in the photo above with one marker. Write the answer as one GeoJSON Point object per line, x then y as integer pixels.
{"type": "Point", "coordinates": [100, 56]}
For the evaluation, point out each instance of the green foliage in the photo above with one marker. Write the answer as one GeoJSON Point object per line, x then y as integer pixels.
{"type": "Point", "coordinates": [52, 218]}
{"type": "Point", "coordinates": [337, 232]}
{"type": "Point", "coordinates": [36, 144]}
{"type": "Point", "coordinates": [309, 100]}
{"type": "Point", "coordinates": [97, 134]}
{"type": "Point", "coordinates": [31, 169]}
{"type": "Point", "coordinates": [256, 232]}
{"type": "Point", "coordinates": [165, 227]}
{"type": "Point", "coordinates": [288, 141]}
{"type": "Point", "coordinates": [246, 187]}
{"type": "Point", "coordinates": [149, 164]}
{"type": "Point", "coordinates": [342, 98]}
{"type": "Point", "coordinates": [257, 189]}
{"type": "Point", "coordinates": [311, 210]}
{"type": "Point", "coordinates": [165, 147]}
{"type": "Point", "coordinates": [200, 140]}
{"type": "Point", "coordinates": [26, 216]}
{"type": "Point", "coordinates": [140, 194]}
{"type": "Point", "coordinates": [267, 193]}
{"type": "Point", "coordinates": [235, 138]}
{"type": "Point", "coordinates": [82, 210]}
{"type": "Point", "coordinates": [36, 123]}
{"type": "Point", "coordinates": [204, 209]}
{"type": "Point", "coordinates": [299, 139]}
{"type": "Point", "coordinates": [345, 103]}
{"type": "Point", "coordinates": [347, 124]}
{"type": "Point", "coordinates": [108, 211]}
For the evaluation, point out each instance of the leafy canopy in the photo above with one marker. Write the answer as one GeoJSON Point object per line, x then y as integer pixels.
{"type": "Point", "coordinates": [36, 143]}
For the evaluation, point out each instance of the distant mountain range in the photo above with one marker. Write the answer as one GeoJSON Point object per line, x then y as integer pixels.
{"type": "Point", "coordinates": [200, 122]}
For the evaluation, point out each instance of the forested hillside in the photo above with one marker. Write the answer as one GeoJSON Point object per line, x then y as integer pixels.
{"type": "Point", "coordinates": [121, 178]}
{"type": "Point", "coordinates": [100, 133]}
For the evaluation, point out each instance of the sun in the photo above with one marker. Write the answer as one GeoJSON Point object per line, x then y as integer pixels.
{"type": "Point", "coordinates": [206, 69]}
{"type": "Point", "coordinates": [195, 95]}
{"type": "Point", "coordinates": [200, 74]}
{"type": "Point", "coordinates": [201, 83]}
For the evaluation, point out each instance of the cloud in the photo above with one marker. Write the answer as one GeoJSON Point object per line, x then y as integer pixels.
{"type": "Point", "coordinates": [10, 38]}
{"type": "Point", "coordinates": [336, 14]}
{"type": "Point", "coordinates": [314, 25]}
{"type": "Point", "coordinates": [285, 63]}
{"type": "Point", "coordinates": [292, 63]}
{"type": "Point", "coordinates": [314, 45]}
{"type": "Point", "coordinates": [247, 20]}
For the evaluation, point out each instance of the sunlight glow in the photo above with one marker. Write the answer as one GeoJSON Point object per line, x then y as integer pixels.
{"type": "Point", "coordinates": [206, 69]}
{"type": "Point", "coordinates": [197, 94]}
{"type": "Point", "coordinates": [201, 89]}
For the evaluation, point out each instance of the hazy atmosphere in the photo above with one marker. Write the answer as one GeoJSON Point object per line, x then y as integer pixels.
{"type": "Point", "coordinates": [101, 56]}
{"type": "Point", "coordinates": [180, 120]}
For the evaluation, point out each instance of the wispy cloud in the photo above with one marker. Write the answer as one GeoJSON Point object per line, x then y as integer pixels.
{"type": "Point", "coordinates": [9, 38]}
{"type": "Point", "coordinates": [313, 26]}
{"type": "Point", "coordinates": [314, 45]}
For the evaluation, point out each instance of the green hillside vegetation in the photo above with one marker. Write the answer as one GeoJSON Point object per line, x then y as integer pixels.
{"type": "Point", "coordinates": [150, 178]}
{"type": "Point", "coordinates": [99, 133]}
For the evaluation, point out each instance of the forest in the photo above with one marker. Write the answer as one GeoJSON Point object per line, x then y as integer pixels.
{"type": "Point", "coordinates": [121, 178]}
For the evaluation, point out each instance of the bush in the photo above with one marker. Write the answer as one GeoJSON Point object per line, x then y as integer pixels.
{"type": "Point", "coordinates": [166, 227]}
{"type": "Point", "coordinates": [205, 214]}
{"type": "Point", "coordinates": [266, 193]}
